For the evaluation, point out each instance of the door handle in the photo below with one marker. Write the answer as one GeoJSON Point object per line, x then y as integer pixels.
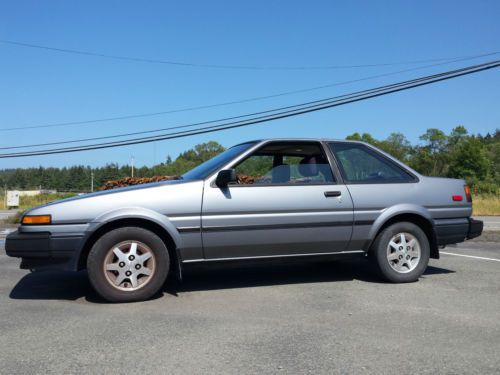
{"type": "Point", "coordinates": [332, 194]}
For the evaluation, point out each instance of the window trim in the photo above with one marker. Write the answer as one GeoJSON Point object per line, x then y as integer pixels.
{"type": "Point", "coordinates": [377, 154]}
{"type": "Point", "coordinates": [267, 143]}
{"type": "Point", "coordinates": [334, 165]}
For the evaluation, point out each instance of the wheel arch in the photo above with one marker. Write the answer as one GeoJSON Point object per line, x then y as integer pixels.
{"type": "Point", "coordinates": [421, 219]}
{"type": "Point", "coordinates": [140, 222]}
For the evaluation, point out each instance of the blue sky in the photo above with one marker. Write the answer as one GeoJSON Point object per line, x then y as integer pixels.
{"type": "Point", "coordinates": [41, 87]}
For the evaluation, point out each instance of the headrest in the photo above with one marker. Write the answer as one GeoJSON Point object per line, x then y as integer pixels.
{"type": "Point", "coordinates": [281, 174]}
{"type": "Point", "coordinates": [308, 166]}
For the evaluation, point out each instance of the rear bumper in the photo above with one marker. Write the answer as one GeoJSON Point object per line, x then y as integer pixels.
{"type": "Point", "coordinates": [44, 250]}
{"type": "Point", "coordinates": [475, 228]}
{"type": "Point", "coordinates": [450, 231]}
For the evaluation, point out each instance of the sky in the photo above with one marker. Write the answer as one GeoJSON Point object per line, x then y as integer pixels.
{"type": "Point", "coordinates": [39, 87]}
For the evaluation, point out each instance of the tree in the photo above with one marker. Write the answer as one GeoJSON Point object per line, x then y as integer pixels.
{"type": "Point", "coordinates": [397, 145]}
{"type": "Point", "coordinates": [475, 158]}
{"type": "Point", "coordinates": [469, 160]}
{"type": "Point", "coordinates": [457, 134]}
{"type": "Point", "coordinates": [354, 137]}
{"type": "Point", "coordinates": [435, 139]}
{"type": "Point", "coordinates": [435, 147]}
{"type": "Point", "coordinates": [202, 152]}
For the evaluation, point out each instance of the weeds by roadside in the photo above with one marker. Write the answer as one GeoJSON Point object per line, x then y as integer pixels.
{"type": "Point", "coordinates": [14, 219]}
{"type": "Point", "coordinates": [37, 200]}
{"type": "Point", "coordinates": [486, 205]}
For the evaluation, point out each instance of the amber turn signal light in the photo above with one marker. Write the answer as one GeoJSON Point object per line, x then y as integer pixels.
{"type": "Point", "coordinates": [36, 219]}
{"type": "Point", "coordinates": [468, 194]}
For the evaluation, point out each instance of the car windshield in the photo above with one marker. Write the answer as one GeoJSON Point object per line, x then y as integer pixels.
{"type": "Point", "coordinates": [205, 169]}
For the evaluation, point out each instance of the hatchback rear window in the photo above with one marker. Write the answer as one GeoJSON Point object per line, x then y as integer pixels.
{"type": "Point", "coordinates": [360, 164]}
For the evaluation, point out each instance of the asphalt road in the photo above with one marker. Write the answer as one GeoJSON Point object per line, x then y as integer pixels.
{"type": "Point", "coordinates": [490, 222]}
{"type": "Point", "coordinates": [318, 318]}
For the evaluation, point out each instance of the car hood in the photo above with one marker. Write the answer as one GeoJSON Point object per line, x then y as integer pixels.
{"type": "Point", "coordinates": [120, 190]}
{"type": "Point", "coordinates": [165, 197]}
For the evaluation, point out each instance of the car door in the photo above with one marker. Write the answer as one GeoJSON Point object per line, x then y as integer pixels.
{"type": "Point", "coordinates": [287, 202]}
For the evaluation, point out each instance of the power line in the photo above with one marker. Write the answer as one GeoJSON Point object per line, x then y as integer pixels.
{"type": "Point", "coordinates": [355, 97]}
{"type": "Point", "coordinates": [216, 66]}
{"type": "Point", "coordinates": [175, 127]}
{"type": "Point", "coordinates": [301, 105]}
{"type": "Point", "coordinates": [151, 114]}
{"type": "Point", "coordinates": [338, 97]}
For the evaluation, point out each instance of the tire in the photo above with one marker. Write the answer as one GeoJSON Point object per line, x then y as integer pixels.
{"type": "Point", "coordinates": [401, 252]}
{"type": "Point", "coordinates": [128, 264]}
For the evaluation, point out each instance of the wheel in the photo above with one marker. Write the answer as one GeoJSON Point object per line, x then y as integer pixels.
{"type": "Point", "coordinates": [128, 264]}
{"type": "Point", "coordinates": [401, 252]}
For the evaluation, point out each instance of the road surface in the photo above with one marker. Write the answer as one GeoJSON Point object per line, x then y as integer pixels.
{"type": "Point", "coordinates": [293, 318]}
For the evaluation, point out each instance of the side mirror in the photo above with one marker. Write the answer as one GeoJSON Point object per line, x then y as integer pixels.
{"type": "Point", "coordinates": [225, 177]}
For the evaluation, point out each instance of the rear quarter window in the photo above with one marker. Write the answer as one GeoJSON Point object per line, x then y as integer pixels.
{"type": "Point", "coordinates": [360, 164]}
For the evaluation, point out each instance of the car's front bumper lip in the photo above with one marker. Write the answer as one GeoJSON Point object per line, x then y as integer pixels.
{"type": "Point", "coordinates": [44, 249]}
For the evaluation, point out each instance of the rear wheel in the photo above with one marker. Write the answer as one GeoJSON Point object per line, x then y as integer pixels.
{"type": "Point", "coordinates": [401, 252]}
{"type": "Point", "coordinates": [128, 264]}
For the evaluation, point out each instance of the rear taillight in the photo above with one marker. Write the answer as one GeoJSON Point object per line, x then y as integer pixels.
{"type": "Point", "coordinates": [467, 193]}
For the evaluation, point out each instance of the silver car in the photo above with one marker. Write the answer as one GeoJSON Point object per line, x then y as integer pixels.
{"type": "Point", "coordinates": [263, 199]}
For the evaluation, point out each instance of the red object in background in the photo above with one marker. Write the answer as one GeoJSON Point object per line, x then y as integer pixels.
{"type": "Point", "coordinates": [457, 198]}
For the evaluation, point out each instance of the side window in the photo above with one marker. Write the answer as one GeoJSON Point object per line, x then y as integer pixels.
{"type": "Point", "coordinates": [285, 163]}
{"type": "Point", "coordinates": [359, 164]}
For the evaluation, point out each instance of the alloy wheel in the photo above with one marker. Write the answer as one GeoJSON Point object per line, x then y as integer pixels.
{"type": "Point", "coordinates": [129, 265]}
{"type": "Point", "coordinates": [403, 252]}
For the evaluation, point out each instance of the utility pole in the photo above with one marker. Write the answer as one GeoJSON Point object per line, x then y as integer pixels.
{"type": "Point", "coordinates": [132, 166]}
{"type": "Point", "coordinates": [91, 181]}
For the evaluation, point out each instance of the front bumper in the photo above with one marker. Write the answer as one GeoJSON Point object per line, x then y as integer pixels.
{"type": "Point", "coordinates": [44, 250]}
{"type": "Point", "coordinates": [450, 231]}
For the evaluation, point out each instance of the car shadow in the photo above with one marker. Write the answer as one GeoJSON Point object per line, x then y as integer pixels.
{"type": "Point", "coordinates": [231, 276]}
{"type": "Point", "coordinates": [436, 271]}
{"type": "Point", "coordinates": [72, 286]}
{"type": "Point", "coordinates": [59, 285]}
{"type": "Point", "coordinates": [262, 274]}
{"type": "Point", "coordinates": [56, 285]}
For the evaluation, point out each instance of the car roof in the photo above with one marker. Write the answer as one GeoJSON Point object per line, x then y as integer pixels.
{"type": "Point", "coordinates": [304, 139]}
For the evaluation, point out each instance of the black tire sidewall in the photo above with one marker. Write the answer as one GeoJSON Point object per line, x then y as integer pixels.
{"type": "Point", "coordinates": [380, 252]}
{"type": "Point", "coordinates": [99, 251]}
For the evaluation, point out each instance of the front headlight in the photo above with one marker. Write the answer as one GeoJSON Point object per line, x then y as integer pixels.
{"type": "Point", "coordinates": [36, 220]}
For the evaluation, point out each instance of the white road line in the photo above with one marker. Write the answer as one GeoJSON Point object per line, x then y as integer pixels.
{"type": "Point", "coordinates": [470, 256]}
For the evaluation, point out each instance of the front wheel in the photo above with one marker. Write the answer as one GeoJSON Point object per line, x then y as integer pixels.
{"type": "Point", "coordinates": [128, 264]}
{"type": "Point", "coordinates": [401, 252]}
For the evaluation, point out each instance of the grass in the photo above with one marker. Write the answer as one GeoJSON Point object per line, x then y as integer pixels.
{"type": "Point", "coordinates": [486, 205]}
{"type": "Point", "coordinates": [37, 200]}
{"type": "Point", "coordinates": [30, 202]}
{"type": "Point", "coordinates": [14, 219]}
